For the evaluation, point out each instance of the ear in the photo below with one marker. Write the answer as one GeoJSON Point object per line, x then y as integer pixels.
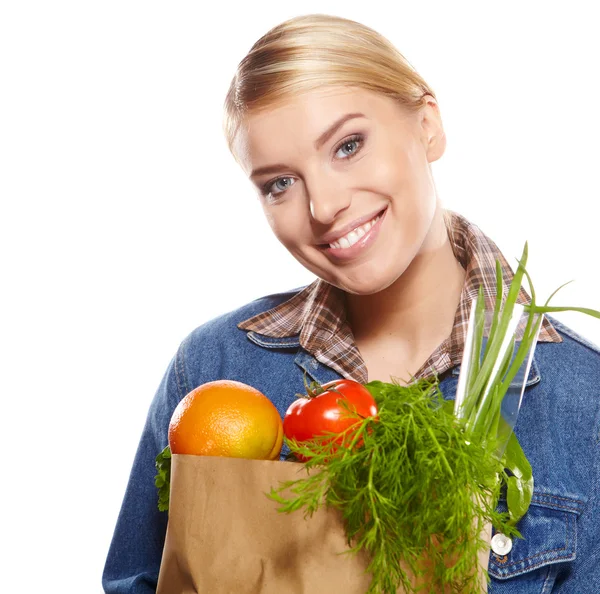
{"type": "Point", "coordinates": [433, 135]}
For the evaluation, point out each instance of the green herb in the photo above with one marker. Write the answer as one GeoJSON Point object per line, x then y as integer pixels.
{"type": "Point", "coordinates": [415, 489]}
{"type": "Point", "coordinates": [519, 483]}
{"type": "Point", "coordinates": [163, 478]}
{"type": "Point", "coordinates": [487, 381]}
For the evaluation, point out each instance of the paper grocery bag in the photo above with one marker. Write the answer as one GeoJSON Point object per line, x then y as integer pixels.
{"type": "Point", "coordinates": [225, 536]}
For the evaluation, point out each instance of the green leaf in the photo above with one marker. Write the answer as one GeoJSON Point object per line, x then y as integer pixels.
{"type": "Point", "coordinates": [475, 359]}
{"type": "Point", "coordinates": [497, 304]}
{"type": "Point", "coordinates": [519, 487]}
{"type": "Point", "coordinates": [556, 291]}
{"type": "Point", "coordinates": [543, 309]}
{"type": "Point", "coordinates": [376, 388]}
{"type": "Point", "coordinates": [162, 480]}
{"type": "Point", "coordinates": [496, 341]}
{"type": "Point", "coordinates": [491, 401]}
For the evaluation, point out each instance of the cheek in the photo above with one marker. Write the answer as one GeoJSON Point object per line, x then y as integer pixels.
{"type": "Point", "coordinates": [388, 168]}
{"type": "Point", "coordinates": [289, 226]}
{"type": "Point", "coordinates": [270, 218]}
{"type": "Point", "coordinates": [386, 173]}
{"type": "Point", "coordinates": [408, 180]}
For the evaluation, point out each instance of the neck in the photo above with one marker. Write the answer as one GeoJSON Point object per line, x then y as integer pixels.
{"type": "Point", "coordinates": [418, 309]}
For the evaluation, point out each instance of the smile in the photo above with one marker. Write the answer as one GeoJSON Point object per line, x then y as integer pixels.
{"type": "Point", "coordinates": [356, 242]}
{"type": "Point", "coordinates": [355, 235]}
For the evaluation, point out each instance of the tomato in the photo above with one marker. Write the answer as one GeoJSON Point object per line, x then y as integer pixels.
{"type": "Point", "coordinates": [320, 412]}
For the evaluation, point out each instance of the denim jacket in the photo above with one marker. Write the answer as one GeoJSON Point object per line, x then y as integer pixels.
{"type": "Point", "coordinates": [558, 428]}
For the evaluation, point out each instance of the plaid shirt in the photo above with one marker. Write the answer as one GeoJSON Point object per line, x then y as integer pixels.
{"type": "Point", "coordinates": [317, 313]}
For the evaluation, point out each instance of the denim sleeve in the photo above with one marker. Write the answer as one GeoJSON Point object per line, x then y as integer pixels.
{"type": "Point", "coordinates": [135, 552]}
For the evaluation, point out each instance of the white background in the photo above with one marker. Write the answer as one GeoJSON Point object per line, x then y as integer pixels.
{"type": "Point", "coordinates": [125, 223]}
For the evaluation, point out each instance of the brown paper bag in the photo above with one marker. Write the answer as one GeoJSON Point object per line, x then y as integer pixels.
{"type": "Point", "coordinates": [225, 536]}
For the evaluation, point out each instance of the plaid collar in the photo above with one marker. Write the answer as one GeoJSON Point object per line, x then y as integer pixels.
{"type": "Point", "coordinates": [317, 313]}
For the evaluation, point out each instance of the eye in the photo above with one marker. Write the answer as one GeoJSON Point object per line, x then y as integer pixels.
{"type": "Point", "coordinates": [350, 145]}
{"type": "Point", "coordinates": [277, 186]}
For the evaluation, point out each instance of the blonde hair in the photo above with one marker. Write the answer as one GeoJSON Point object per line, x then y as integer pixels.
{"type": "Point", "coordinates": [314, 51]}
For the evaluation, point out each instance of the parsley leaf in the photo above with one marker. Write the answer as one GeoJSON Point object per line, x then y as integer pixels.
{"type": "Point", "coordinates": [163, 478]}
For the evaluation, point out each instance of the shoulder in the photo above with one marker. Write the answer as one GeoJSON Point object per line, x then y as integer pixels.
{"type": "Point", "coordinates": [218, 348]}
{"type": "Point", "coordinates": [576, 357]}
{"type": "Point", "coordinates": [575, 340]}
{"type": "Point", "coordinates": [570, 372]}
{"type": "Point", "coordinates": [225, 325]}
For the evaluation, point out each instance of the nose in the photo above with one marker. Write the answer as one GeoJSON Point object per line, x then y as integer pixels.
{"type": "Point", "coordinates": [327, 200]}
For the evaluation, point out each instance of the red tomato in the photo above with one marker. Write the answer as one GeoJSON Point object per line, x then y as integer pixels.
{"type": "Point", "coordinates": [321, 412]}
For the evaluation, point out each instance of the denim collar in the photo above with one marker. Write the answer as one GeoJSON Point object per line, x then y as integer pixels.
{"type": "Point", "coordinates": [323, 374]}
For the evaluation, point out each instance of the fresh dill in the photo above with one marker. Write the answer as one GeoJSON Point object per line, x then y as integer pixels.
{"type": "Point", "coordinates": [413, 490]}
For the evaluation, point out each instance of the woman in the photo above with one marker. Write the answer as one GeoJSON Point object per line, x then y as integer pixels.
{"type": "Point", "coordinates": [337, 132]}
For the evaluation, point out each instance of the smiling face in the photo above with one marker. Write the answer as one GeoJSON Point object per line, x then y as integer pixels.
{"type": "Point", "coordinates": [345, 182]}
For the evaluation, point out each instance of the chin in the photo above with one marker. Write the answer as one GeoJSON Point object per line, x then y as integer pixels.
{"type": "Point", "coordinates": [365, 288]}
{"type": "Point", "coordinates": [367, 284]}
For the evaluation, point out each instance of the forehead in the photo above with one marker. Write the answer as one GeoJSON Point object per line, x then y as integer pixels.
{"type": "Point", "coordinates": [292, 126]}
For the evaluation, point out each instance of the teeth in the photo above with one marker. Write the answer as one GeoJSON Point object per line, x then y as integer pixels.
{"type": "Point", "coordinates": [355, 235]}
{"type": "Point", "coordinates": [352, 237]}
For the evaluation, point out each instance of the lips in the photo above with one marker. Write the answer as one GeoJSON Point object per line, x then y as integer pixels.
{"type": "Point", "coordinates": [354, 236]}
{"type": "Point", "coordinates": [334, 236]}
{"type": "Point", "coordinates": [342, 250]}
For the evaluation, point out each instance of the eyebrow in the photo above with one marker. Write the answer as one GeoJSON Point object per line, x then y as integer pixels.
{"type": "Point", "coordinates": [323, 138]}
